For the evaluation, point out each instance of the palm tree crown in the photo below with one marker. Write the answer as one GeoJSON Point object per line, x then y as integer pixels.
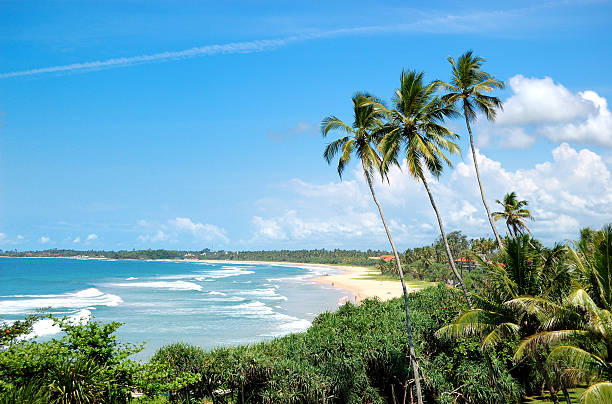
{"type": "Point", "coordinates": [360, 137]}
{"type": "Point", "coordinates": [514, 213]}
{"type": "Point", "coordinates": [468, 85]}
{"type": "Point", "coordinates": [415, 122]}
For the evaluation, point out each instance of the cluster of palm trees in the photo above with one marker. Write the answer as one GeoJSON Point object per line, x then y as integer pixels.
{"type": "Point", "coordinates": [413, 128]}
{"type": "Point", "coordinates": [558, 303]}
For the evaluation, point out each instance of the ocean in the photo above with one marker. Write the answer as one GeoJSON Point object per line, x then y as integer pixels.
{"type": "Point", "coordinates": [160, 302]}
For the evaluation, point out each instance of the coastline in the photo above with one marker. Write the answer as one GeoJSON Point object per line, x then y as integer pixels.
{"type": "Point", "coordinates": [353, 279]}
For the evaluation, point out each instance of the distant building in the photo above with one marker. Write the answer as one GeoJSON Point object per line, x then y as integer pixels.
{"type": "Point", "coordinates": [387, 258]}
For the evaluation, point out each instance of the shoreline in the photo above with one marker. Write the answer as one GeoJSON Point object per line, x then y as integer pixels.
{"type": "Point", "coordinates": [352, 279]}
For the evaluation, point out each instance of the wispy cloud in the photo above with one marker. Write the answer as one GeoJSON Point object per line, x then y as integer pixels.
{"type": "Point", "coordinates": [442, 24]}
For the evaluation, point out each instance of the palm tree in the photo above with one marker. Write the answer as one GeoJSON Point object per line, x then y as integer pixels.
{"type": "Point", "coordinates": [415, 123]}
{"type": "Point", "coordinates": [361, 140]}
{"type": "Point", "coordinates": [467, 87]}
{"type": "Point", "coordinates": [579, 329]}
{"type": "Point", "coordinates": [514, 213]}
{"type": "Point", "coordinates": [524, 268]}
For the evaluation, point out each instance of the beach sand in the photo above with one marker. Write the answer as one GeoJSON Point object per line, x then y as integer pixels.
{"type": "Point", "coordinates": [354, 280]}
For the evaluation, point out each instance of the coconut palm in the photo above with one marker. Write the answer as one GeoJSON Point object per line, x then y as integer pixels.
{"type": "Point", "coordinates": [579, 329]}
{"type": "Point", "coordinates": [467, 87]}
{"type": "Point", "coordinates": [415, 126]}
{"type": "Point", "coordinates": [514, 214]}
{"type": "Point", "coordinates": [524, 268]}
{"type": "Point", "coordinates": [361, 140]}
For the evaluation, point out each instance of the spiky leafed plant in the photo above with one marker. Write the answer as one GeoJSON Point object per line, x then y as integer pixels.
{"type": "Point", "coordinates": [524, 268]}
{"type": "Point", "coordinates": [416, 127]}
{"type": "Point", "coordinates": [578, 331]}
{"type": "Point", "coordinates": [467, 87]}
{"type": "Point", "coordinates": [514, 213]}
{"type": "Point", "coordinates": [361, 141]}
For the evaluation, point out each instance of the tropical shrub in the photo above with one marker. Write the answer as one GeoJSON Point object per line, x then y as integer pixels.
{"type": "Point", "coordinates": [87, 364]}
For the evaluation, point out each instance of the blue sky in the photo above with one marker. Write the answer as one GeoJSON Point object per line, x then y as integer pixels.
{"type": "Point", "coordinates": [195, 124]}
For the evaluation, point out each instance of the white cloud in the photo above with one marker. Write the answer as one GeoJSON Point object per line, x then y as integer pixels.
{"type": "Point", "coordinates": [76, 240]}
{"type": "Point", "coordinates": [44, 240]}
{"type": "Point", "coordinates": [537, 101]}
{"type": "Point", "coordinates": [571, 190]}
{"type": "Point", "coordinates": [91, 237]}
{"type": "Point", "coordinates": [20, 237]}
{"type": "Point", "coordinates": [2, 236]}
{"type": "Point", "coordinates": [545, 108]}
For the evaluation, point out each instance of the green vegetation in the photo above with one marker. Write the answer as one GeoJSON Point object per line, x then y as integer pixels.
{"type": "Point", "coordinates": [87, 365]}
{"type": "Point", "coordinates": [321, 256]}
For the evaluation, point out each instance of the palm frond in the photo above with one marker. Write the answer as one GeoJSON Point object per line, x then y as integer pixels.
{"type": "Point", "coordinates": [587, 365]}
{"type": "Point", "coordinates": [333, 123]}
{"type": "Point", "coordinates": [598, 393]}
{"type": "Point", "coordinates": [500, 333]}
{"type": "Point", "coordinates": [544, 339]}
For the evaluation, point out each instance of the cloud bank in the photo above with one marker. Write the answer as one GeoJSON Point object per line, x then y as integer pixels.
{"type": "Point", "coordinates": [570, 190]}
{"type": "Point", "coordinates": [541, 107]}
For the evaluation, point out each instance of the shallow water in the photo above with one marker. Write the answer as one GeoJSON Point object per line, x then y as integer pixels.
{"type": "Point", "coordinates": [205, 304]}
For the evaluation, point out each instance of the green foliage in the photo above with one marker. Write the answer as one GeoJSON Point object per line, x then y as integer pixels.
{"type": "Point", "coordinates": [316, 256]}
{"type": "Point", "coordinates": [354, 355]}
{"type": "Point", "coordinates": [86, 365]}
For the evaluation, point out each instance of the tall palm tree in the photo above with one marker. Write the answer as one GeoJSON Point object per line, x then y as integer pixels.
{"type": "Point", "coordinates": [467, 87]}
{"type": "Point", "coordinates": [361, 140]}
{"type": "Point", "coordinates": [415, 124]}
{"type": "Point", "coordinates": [514, 213]}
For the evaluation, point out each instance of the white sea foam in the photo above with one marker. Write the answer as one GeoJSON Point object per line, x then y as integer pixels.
{"type": "Point", "coordinates": [46, 326]}
{"type": "Point", "coordinates": [214, 292]}
{"type": "Point", "coordinates": [313, 272]}
{"type": "Point", "coordinates": [131, 278]}
{"type": "Point", "coordinates": [176, 285]}
{"type": "Point", "coordinates": [267, 294]}
{"type": "Point", "coordinates": [25, 304]}
{"type": "Point", "coordinates": [225, 272]}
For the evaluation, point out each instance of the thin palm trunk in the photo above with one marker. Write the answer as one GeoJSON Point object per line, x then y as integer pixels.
{"type": "Point", "coordinates": [413, 361]}
{"type": "Point", "coordinates": [451, 262]}
{"type": "Point", "coordinates": [482, 195]}
{"type": "Point", "coordinates": [459, 278]}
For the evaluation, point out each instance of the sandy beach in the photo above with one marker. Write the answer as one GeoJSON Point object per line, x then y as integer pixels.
{"type": "Point", "coordinates": [354, 280]}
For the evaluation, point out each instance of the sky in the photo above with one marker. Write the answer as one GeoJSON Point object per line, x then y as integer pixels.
{"type": "Point", "coordinates": [195, 124]}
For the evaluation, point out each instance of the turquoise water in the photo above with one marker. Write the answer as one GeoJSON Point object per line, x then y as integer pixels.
{"type": "Point", "coordinates": [205, 304]}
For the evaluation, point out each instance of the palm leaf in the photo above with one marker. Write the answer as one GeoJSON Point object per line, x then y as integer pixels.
{"type": "Point", "coordinates": [586, 364]}
{"type": "Point", "coordinates": [598, 393]}
{"type": "Point", "coordinates": [545, 338]}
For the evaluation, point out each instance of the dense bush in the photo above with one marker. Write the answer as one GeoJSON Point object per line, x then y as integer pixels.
{"type": "Point", "coordinates": [87, 364]}
{"type": "Point", "coordinates": [357, 354]}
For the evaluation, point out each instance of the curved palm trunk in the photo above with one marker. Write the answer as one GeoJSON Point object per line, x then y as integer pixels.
{"type": "Point", "coordinates": [413, 361]}
{"type": "Point", "coordinates": [482, 195]}
{"type": "Point", "coordinates": [459, 278]}
{"type": "Point", "coordinates": [451, 262]}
